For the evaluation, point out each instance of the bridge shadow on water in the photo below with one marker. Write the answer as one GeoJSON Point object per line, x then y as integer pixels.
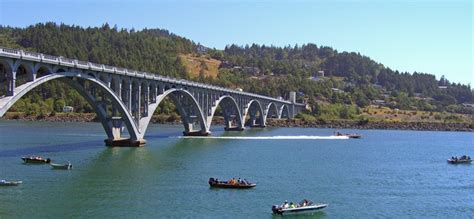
{"type": "Point", "coordinates": [77, 146]}
{"type": "Point", "coordinates": [52, 148]}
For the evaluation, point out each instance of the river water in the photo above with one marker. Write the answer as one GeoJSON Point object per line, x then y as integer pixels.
{"type": "Point", "coordinates": [387, 173]}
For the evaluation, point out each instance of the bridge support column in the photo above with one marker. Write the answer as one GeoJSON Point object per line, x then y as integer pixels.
{"type": "Point", "coordinates": [124, 142]}
{"type": "Point", "coordinates": [117, 140]}
{"type": "Point", "coordinates": [229, 124]}
{"type": "Point", "coordinates": [196, 133]}
{"type": "Point", "coordinates": [189, 130]}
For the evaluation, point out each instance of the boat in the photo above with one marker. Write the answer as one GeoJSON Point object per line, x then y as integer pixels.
{"type": "Point", "coordinates": [9, 183]}
{"type": "Point", "coordinates": [305, 206]}
{"type": "Point", "coordinates": [66, 166]}
{"type": "Point", "coordinates": [351, 135]}
{"type": "Point", "coordinates": [214, 183]}
{"type": "Point", "coordinates": [462, 160]}
{"type": "Point", "coordinates": [35, 160]}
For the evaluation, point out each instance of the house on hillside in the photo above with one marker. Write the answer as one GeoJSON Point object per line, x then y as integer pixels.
{"type": "Point", "coordinates": [379, 102]}
{"type": "Point", "coordinates": [317, 76]}
{"type": "Point", "coordinates": [201, 50]}
{"type": "Point", "coordinates": [68, 109]}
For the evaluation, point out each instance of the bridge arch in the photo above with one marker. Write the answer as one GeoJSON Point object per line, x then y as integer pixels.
{"type": "Point", "coordinates": [284, 112]}
{"type": "Point", "coordinates": [102, 114]}
{"type": "Point", "coordinates": [188, 108]}
{"type": "Point", "coordinates": [231, 113]}
{"type": "Point", "coordinates": [23, 73]}
{"type": "Point", "coordinates": [59, 69]}
{"type": "Point", "coordinates": [255, 111]}
{"type": "Point", "coordinates": [272, 111]}
{"type": "Point", "coordinates": [42, 70]}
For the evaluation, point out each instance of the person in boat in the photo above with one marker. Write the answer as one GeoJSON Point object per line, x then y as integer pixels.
{"type": "Point", "coordinates": [240, 181]}
{"type": "Point", "coordinates": [304, 203]}
{"type": "Point", "coordinates": [285, 205]}
{"type": "Point", "coordinates": [292, 205]}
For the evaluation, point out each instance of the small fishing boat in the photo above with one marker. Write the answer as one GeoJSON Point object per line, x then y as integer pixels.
{"type": "Point", "coordinates": [307, 207]}
{"type": "Point", "coordinates": [35, 160]}
{"type": "Point", "coordinates": [66, 166]}
{"type": "Point", "coordinates": [462, 160]}
{"type": "Point", "coordinates": [9, 183]}
{"type": "Point", "coordinates": [230, 185]}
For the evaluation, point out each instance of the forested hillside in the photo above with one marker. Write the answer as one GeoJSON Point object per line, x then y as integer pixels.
{"type": "Point", "coordinates": [322, 76]}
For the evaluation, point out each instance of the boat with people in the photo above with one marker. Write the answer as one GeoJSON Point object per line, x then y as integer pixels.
{"type": "Point", "coordinates": [231, 184]}
{"type": "Point", "coordinates": [66, 166]}
{"type": "Point", "coordinates": [461, 160]}
{"type": "Point", "coordinates": [350, 135]}
{"type": "Point", "coordinates": [35, 160]}
{"type": "Point", "coordinates": [305, 206]}
{"type": "Point", "coordinates": [9, 183]}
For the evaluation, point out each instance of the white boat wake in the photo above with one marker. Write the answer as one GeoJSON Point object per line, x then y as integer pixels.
{"type": "Point", "coordinates": [281, 137]}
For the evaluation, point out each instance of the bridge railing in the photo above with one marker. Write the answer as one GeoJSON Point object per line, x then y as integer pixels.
{"type": "Point", "coordinates": [50, 59]}
{"type": "Point", "coordinates": [31, 56]}
{"type": "Point", "coordinates": [66, 62]}
{"type": "Point", "coordinates": [96, 67]}
{"type": "Point", "coordinates": [16, 53]}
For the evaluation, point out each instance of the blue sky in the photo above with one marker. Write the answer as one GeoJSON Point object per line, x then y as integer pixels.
{"type": "Point", "coordinates": [420, 35]}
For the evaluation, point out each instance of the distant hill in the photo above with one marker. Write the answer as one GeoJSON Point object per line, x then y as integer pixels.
{"type": "Point", "coordinates": [320, 74]}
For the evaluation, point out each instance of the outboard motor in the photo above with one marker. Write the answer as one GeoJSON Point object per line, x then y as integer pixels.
{"type": "Point", "coordinates": [211, 181]}
{"type": "Point", "coordinates": [276, 209]}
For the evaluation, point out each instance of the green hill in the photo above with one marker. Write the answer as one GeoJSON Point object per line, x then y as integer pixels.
{"type": "Point", "coordinates": [349, 78]}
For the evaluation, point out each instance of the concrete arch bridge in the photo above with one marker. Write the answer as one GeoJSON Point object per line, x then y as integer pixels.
{"type": "Point", "coordinates": [126, 99]}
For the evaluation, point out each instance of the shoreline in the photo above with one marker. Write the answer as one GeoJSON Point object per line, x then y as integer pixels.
{"type": "Point", "coordinates": [289, 123]}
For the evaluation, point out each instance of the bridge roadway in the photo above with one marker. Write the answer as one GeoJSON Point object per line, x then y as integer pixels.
{"type": "Point", "coordinates": [126, 99]}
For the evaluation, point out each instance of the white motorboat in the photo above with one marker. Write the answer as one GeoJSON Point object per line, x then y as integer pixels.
{"type": "Point", "coordinates": [298, 209]}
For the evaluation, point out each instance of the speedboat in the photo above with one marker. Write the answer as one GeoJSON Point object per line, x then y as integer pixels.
{"type": "Point", "coordinates": [462, 160]}
{"type": "Point", "coordinates": [352, 135]}
{"type": "Point", "coordinates": [311, 208]}
{"type": "Point", "coordinates": [35, 160]}
{"type": "Point", "coordinates": [227, 184]}
{"type": "Point", "coordinates": [9, 183]}
{"type": "Point", "coordinates": [66, 166]}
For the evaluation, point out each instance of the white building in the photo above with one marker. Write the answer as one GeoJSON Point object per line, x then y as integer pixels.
{"type": "Point", "coordinates": [68, 109]}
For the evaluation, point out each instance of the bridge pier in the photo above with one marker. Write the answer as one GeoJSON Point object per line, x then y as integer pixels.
{"type": "Point", "coordinates": [234, 128]}
{"type": "Point", "coordinates": [124, 142]}
{"type": "Point", "coordinates": [196, 133]}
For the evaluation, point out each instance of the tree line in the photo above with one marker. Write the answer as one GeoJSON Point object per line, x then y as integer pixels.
{"type": "Point", "coordinates": [350, 77]}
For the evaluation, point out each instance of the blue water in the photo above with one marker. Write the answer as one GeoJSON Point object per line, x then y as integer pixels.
{"type": "Point", "coordinates": [387, 173]}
